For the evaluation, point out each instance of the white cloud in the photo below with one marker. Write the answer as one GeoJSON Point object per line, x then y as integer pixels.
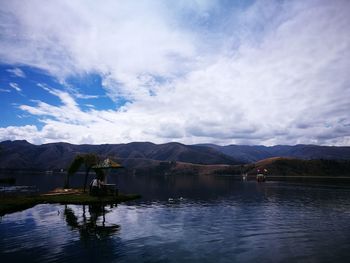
{"type": "Point", "coordinates": [90, 105]}
{"type": "Point", "coordinates": [84, 96]}
{"type": "Point", "coordinates": [119, 39]}
{"type": "Point", "coordinates": [5, 90]}
{"type": "Point", "coordinates": [15, 86]}
{"type": "Point", "coordinates": [20, 133]}
{"type": "Point", "coordinates": [286, 83]}
{"type": "Point", "coordinates": [17, 72]}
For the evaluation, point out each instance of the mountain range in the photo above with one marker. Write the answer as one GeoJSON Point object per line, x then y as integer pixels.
{"type": "Point", "coordinates": [249, 154]}
{"type": "Point", "coordinates": [21, 154]}
{"type": "Point", "coordinates": [24, 155]}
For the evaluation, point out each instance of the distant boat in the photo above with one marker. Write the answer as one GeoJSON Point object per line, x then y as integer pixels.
{"type": "Point", "coordinates": [49, 172]}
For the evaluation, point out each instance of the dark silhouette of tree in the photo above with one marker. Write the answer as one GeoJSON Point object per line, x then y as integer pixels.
{"type": "Point", "coordinates": [88, 160]}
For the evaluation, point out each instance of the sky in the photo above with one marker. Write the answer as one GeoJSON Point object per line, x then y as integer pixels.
{"type": "Point", "coordinates": [226, 72]}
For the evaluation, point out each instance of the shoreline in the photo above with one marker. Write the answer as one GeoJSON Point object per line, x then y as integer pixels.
{"type": "Point", "coordinates": [251, 176]}
{"type": "Point", "coordinates": [12, 204]}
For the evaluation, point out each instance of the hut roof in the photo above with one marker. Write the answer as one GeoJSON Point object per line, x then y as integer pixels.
{"type": "Point", "coordinates": [106, 164]}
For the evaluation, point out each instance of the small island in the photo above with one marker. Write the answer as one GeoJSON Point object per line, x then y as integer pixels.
{"type": "Point", "coordinates": [107, 194]}
{"type": "Point", "coordinates": [60, 196]}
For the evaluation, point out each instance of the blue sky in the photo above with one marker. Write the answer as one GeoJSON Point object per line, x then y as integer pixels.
{"type": "Point", "coordinates": [226, 72]}
{"type": "Point", "coordinates": [27, 85]}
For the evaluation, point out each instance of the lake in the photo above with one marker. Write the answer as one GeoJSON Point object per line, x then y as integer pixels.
{"type": "Point", "coordinates": [184, 219]}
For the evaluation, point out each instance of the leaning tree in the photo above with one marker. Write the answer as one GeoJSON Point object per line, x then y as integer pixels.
{"type": "Point", "coordinates": [88, 160]}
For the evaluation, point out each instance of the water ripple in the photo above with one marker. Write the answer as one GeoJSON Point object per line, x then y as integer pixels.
{"type": "Point", "coordinates": [251, 223]}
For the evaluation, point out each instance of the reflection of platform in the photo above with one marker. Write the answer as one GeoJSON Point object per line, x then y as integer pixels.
{"type": "Point", "coordinates": [93, 226]}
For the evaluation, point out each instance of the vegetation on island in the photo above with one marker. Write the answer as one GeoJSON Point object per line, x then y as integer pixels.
{"type": "Point", "coordinates": [88, 160]}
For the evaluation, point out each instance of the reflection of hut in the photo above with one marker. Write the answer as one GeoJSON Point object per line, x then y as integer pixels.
{"type": "Point", "coordinates": [90, 227]}
{"type": "Point", "coordinates": [103, 169]}
{"type": "Point", "coordinates": [261, 175]}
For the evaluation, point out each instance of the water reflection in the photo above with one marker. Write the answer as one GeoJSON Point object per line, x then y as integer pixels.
{"type": "Point", "coordinates": [92, 225]}
{"type": "Point", "coordinates": [188, 219]}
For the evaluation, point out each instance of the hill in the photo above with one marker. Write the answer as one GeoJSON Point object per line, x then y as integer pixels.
{"type": "Point", "coordinates": [176, 158]}
{"type": "Point", "coordinates": [23, 155]}
{"type": "Point", "coordinates": [250, 154]}
{"type": "Point", "coordinates": [279, 166]}
{"type": "Point", "coordinates": [296, 167]}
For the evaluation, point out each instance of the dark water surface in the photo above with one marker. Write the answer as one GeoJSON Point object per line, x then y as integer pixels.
{"type": "Point", "coordinates": [185, 219]}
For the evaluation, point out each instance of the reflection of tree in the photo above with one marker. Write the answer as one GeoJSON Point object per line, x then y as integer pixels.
{"type": "Point", "coordinates": [90, 227]}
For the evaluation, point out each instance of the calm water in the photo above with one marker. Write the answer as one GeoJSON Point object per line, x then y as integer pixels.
{"type": "Point", "coordinates": [206, 219]}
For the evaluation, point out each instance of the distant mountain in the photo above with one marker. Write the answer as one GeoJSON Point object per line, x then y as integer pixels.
{"type": "Point", "coordinates": [249, 154]}
{"type": "Point", "coordinates": [23, 155]}
{"type": "Point", "coordinates": [138, 155]}
{"type": "Point", "coordinates": [280, 166]}
{"type": "Point", "coordinates": [296, 167]}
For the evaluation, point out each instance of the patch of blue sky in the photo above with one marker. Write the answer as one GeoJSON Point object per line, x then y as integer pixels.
{"type": "Point", "coordinates": [87, 84]}
{"type": "Point", "coordinates": [220, 24]}
{"type": "Point", "coordinates": [155, 80]}
{"type": "Point", "coordinates": [230, 23]}
{"type": "Point", "coordinates": [28, 94]}
{"type": "Point", "coordinates": [90, 93]}
{"type": "Point", "coordinates": [215, 17]}
{"type": "Point", "coordinates": [30, 85]}
{"type": "Point", "coordinates": [121, 101]}
{"type": "Point", "coordinates": [87, 90]}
